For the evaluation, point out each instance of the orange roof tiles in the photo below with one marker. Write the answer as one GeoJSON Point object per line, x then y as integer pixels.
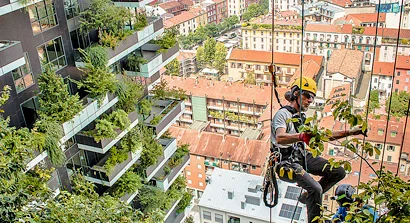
{"type": "Point", "coordinates": [227, 147]}
{"type": "Point", "coordinates": [218, 90]}
{"type": "Point", "coordinates": [383, 68]}
{"type": "Point", "coordinates": [169, 5]}
{"type": "Point", "coordinates": [346, 62]}
{"type": "Point", "coordinates": [310, 69]}
{"type": "Point", "coordinates": [387, 32]}
{"type": "Point", "coordinates": [265, 57]}
{"type": "Point", "coordinates": [186, 2]}
{"type": "Point", "coordinates": [377, 131]}
{"type": "Point", "coordinates": [183, 17]}
{"type": "Point", "coordinates": [289, 13]}
{"type": "Point", "coordinates": [369, 17]}
{"type": "Point", "coordinates": [403, 62]}
{"type": "Point", "coordinates": [186, 55]}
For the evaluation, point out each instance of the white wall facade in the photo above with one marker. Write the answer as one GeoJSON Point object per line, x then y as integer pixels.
{"type": "Point", "coordinates": [236, 7]}
{"type": "Point", "coordinates": [382, 83]}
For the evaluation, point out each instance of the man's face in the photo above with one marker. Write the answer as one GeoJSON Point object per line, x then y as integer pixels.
{"type": "Point", "coordinates": [307, 99]}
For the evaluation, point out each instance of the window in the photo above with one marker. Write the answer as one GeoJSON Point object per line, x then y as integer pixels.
{"type": "Point", "coordinates": [253, 167]}
{"type": "Point", "coordinates": [388, 158]}
{"type": "Point", "coordinates": [71, 8]}
{"type": "Point", "coordinates": [287, 210]}
{"type": "Point", "coordinates": [390, 148]}
{"type": "Point", "coordinates": [232, 65]}
{"type": "Point", "coordinates": [52, 53]}
{"type": "Point", "coordinates": [199, 175]}
{"type": "Point", "coordinates": [331, 152]}
{"type": "Point", "coordinates": [356, 173]}
{"type": "Point", "coordinates": [292, 193]}
{"type": "Point", "coordinates": [376, 156]}
{"type": "Point", "coordinates": [199, 166]}
{"type": "Point", "coordinates": [407, 79]}
{"type": "Point", "coordinates": [397, 81]}
{"type": "Point", "coordinates": [200, 184]}
{"type": "Point", "coordinates": [42, 16]}
{"type": "Point", "coordinates": [398, 73]}
{"type": "Point", "coordinates": [393, 133]}
{"type": "Point", "coordinates": [198, 157]}
{"type": "Point", "coordinates": [219, 218]}
{"type": "Point", "coordinates": [188, 173]}
{"type": "Point", "coordinates": [380, 131]}
{"type": "Point", "coordinates": [243, 106]}
{"type": "Point", "coordinates": [207, 215]}
{"type": "Point", "coordinates": [189, 181]}
{"type": "Point", "coordinates": [22, 76]}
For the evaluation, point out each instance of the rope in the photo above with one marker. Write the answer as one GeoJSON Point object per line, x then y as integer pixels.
{"type": "Point", "coordinates": [371, 82]}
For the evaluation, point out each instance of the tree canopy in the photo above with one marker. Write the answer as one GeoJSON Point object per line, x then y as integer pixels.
{"type": "Point", "coordinates": [399, 103]}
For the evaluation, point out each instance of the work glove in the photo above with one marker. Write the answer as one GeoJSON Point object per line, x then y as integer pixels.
{"type": "Point", "coordinates": [305, 137]}
{"type": "Point", "coordinates": [358, 131]}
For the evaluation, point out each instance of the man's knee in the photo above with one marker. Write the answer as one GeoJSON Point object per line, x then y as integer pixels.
{"type": "Point", "coordinates": [339, 173]}
{"type": "Point", "coordinates": [317, 189]}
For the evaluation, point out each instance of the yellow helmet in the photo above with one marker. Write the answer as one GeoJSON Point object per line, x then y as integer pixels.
{"type": "Point", "coordinates": [308, 84]}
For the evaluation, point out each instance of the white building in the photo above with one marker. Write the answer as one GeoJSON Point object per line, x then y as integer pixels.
{"type": "Point", "coordinates": [236, 7]}
{"type": "Point", "coordinates": [382, 78]}
{"type": "Point", "coordinates": [232, 196]}
{"type": "Point", "coordinates": [282, 5]}
{"type": "Point", "coordinates": [321, 11]}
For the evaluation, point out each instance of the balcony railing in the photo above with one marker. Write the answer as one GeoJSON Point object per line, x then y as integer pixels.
{"type": "Point", "coordinates": [169, 147]}
{"type": "Point", "coordinates": [156, 61]}
{"type": "Point", "coordinates": [132, 42]}
{"type": "Point", "coordinates": [11, 56]}
{"type": "Point", "coordinates": [92, 109]}
{"type": "Point", "coordinates": [88, 143]}
{"type": "Point", "coordinates": [98, 174]}
{"type": "Point", "coordinates": [7, 6]}
{"type": "Point", "coordinates": [170, 110]}
{"type": "Point", "coordinates": [172, 216]}
{"type": "Point", "coordinates": [164, 182]}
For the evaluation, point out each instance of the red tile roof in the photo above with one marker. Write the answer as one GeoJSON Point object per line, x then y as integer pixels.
{"type": "Point", "coordinates": [218, 89]}
{"type": "Point", "coordinates": [310, 69]}
{"type": "Point", "coordinates": [383, 68]}
{"type": "Point", "coordinates": [186, 2]}
{"type": "Point", "coordinates": [346, 62]}
{"type": "Point", "coordinates": [403, 62]}
{"type": "Point", "coordinates": [208, 144]}
{"type": "Point", "coordinates": [183, 17]}
{"type": "Point", "coordinates": [265, 57]}
{"type": "Point", "coordinates": [327, 28]}
{"type": "Point", "coordinates": [369, 17]}
{"type": "Point", "coordinates": [169, 5]}
{"type": "Point", "coordinates": [341, 3]}
{"type": "Point", "coordinates": [289, 13]}
{"type": "Point", "coordinates": [186, 55]}
{"type": "Point", "coordinates": [347, 20]}
{"type": "Point", "coordinates": [387, 32]}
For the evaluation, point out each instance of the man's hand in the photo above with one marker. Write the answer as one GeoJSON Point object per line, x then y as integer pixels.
{"type": "Point", "coordinates": [305, 137]}
{"type": "Point", "coordinates": [357, 131]}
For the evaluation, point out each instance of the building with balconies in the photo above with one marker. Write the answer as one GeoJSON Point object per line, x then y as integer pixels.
{"type": "Point", "coordinates": [43, 34]}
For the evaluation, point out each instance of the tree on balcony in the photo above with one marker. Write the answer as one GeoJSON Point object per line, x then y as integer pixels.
{"type": "Point", "coordinates": [173, 67]}
{"type": "Point", "coordinates": [167, 40]}
{"type": "Point", "coordinates": [134, 61]}
{"type": "Point", "coordinates": [97, 55]}
{"type": "Point", "coordinates": [151, 149]}
{"type": "Point", "coordinates": [129, 92]}
{"type": "Point", "coordinates": [55, 101]}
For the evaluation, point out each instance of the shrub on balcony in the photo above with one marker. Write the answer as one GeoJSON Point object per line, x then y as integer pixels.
{"type": "Point", "coordinates": [55, 101]}
{"type": "Point", "coordinates": [104, 129]}
{"type": "Point", "coordinates": [119, 118]}
{"type": "Point", "coordinates": [96, 54]}
{"type": "Point", "coordinates": [131, 142]}
{"type": "Point", "coordinates": [109, 40]}
{"type": "Point", "coordinates": [129, 92]}
{"type": "Point", "coordinates": [216, 114]}
{"type": "Point", "coordinates": [184, 202]}
{"type": "Point", "coordinates": [116, 156]}
{"type": "Point", "coordinates": [151, 149]}
{"type": "Point", "coordinates": [130, 182]}
{"type": "Point", "coordinates": [140, 21]}
{"type": "Point", "coordinates": [98, 81]}
{"type": "Point", "coordinates": [178, 156]}
{"type": "Point", "coordinates": [168, 40]}
{"type": "Point", "coordinates": [161, 91]}
{"type": "Point", "coordinates": [155, 120]}
{"type": "Point", "coordinates": [134, 61]}
{"type": "Point", "coordinates": [145, 107]}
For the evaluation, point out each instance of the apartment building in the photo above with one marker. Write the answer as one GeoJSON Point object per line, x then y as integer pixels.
{"type": "Point", "coordinates": [242, 63]}
{"type": "Point", "coordinates": [339, 93]}
{"type": "Point", "coordinates": [321, 11]}
{"type": "Point", "coordinates": [322, 39]}
{"type": "Point", "coordinates": [236, 197]}
{"type": "Point", "coordinates": [364, 19]}
{"type": "Point", "coordinates": [231, 108]}
{"type": "Point", "coordinates": [236, 7]}
{"type": "Point", "coordinates": [282, 5]}
{"type": "Point", "coordinates": [402, 77]}
{"type": "Point", "coordinates": [42, 33]}
{"type": "Point", "coordinates": [216, 10]}
{"type": "Point", "coordinates": [173, 7]}
{"type": "Point", "coordinates": [209, 151]}
{"type": "Point", "coordinates": [382, 78]}
{"type": "Point", "coordinates": [187, 21]}
{"type": "Point", "coordinates": [187, 62]}
{"type": "Point", "coordinates": [287, 35]}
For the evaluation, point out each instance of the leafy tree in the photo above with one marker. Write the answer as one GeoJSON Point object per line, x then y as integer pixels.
{"type": "Point", "coordinates": [145, 107]}
{"type": "Point", "coordinates": [200, 57]}
{"type": "Point", "coordinates": [189, 219]}
{"type": "Point", "coordinates": [184, 202]}
{"type": "Point", "coordinates": [173, 67]}
{"type": "Point", "coordinates": [398, 104]}
{"type": "Point", "coordinates": [231, 21]}
{"type": "Point", "coordinates": [209, 50]}
{"type": "Point", "coordinates": [116, 156]}
{"type": "Point", "coordinates": [374, 100]}
{"type": "Point", "coordinates": [131, 142]}
{"type": "Point", "coordinates": [97, 54]}
{"type": "Point", "coordinates": [219, 60]}
{"type": "Point", "coordinates": [160, 90]}
{"type": "Point", "coordinates": [168, 39]}
{"type": "Point", "coordinates": [134, 61]}
{"type": "Point", "coordinates": [130, 182]}
{"type": "Point", "coordinates": [104, 129]}
{"type": "Point", "coordinates": [151, 148]}
{"type": "Point", "coordinates": [254, 10]}
{"type": "Point", "coordinates": [55, 100]}
{"type": "Point", "coordinates": [128, 92]}
{"type": "Point", "coordinates": [250, 78]}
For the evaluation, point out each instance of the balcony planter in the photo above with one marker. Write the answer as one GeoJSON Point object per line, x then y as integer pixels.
{"type": "Point", "coordinates": [132, 42]}
{"type": "Point", "coordinates": [98, 173]}
{"type": "Point", "coordinates": [164, 182]}
{"type": "Point", "coordinates": [170, 110]}
{"type": "Point", "coordinates": [174, 216]}
{"type": "Point", "coordinates": [169, 147]}
{"type": "Point", "coordinates": [89, 113]}
{"type": "Point", "coordinates": [156, 61]}
{"type": "Point", "coordinates": [88, 143]}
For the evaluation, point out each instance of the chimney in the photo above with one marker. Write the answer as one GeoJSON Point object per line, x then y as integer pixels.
{"type": "Point", "coordinates": [246, 140]}
{"type": "Point", "coordinates": [223, 137]}
{"type": "Point", "coordinates": [230, 194]}
{"type": "Point", "coordinates": [243, 202]}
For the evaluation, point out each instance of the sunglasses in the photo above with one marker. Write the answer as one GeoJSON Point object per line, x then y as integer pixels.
{"type": "Point", "coordinates": [308, 95]}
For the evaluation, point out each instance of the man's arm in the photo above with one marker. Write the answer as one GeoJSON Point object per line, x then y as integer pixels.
{"type": "Point", "coordinates": [283, 138]}
{"type": "Point", "coordinates": [344, 133]}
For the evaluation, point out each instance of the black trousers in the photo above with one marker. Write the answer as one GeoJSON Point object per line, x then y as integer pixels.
{"type": "Point", "coordinates": [315, 189]}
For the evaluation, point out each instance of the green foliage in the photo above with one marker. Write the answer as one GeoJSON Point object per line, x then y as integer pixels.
{"type": "Point", "coordinates": [209, 50]}
{"type": "Point", "coordinates": [178, 156]}
{"type": "Point", "coordinates": [200, 57]}
{"type": "Point", "coordinates": [50, 137]}
{"type": "Point", "coordinates": [55, 101]}
{"type": "Point", "coordinates": [140, 21]}
{"type": "Point", "coordinates": [97, 56]}
{"type": "Point", "coordinates": [216, 114]}
{"type": "Point", "coordinates": [189, 219]}
{"type": "Point", "coordinates": [109, 40]}
{"type": "Point", "coordinates": [104, 129]}
{"type": "Point", "coordinates": [231, 116]}
{"type": "Point", "coordinates": [98, 81]}
{"type": "Point", "coordinates": [161, 91]}
{"type": "Point", "coordinates": [374, 100]}
{"type": "Point", "coordinates": [253, 11]}
{"type": "Point", "coordinates": [134, 61]}
{"type": "Point", "coordinates": [358, 30]}
{"type": "Point", "coordinates": [130, 182]}
{"type": "Point", "coordinates": [155, 120]}
{"type": "Point", "coordinates": [219, 60]}
{"type": "Point", "coordinates": [168, 39]}
{"type": "Point", "coordinates": [173, 67]}
{"type": "Point", "coordinates": [404, 41]}
{"type": "Point", "coordinates": [250, 78]}
{"type": "Point", "coordinates": [119, 118]}
{"type": "Point", "coordinates": [398, 104]}
{"type": "Point", "coordinates": [151, 149]}
{"type": "Point", "coordinates": [128, 93]}
{"type": "Point", "coordinates": [269, 26]}
{"type": "Point", "coordinates": [5, 95]}
{"type": "Point", "coordinates": [184, 202]}
{"type": "Point", "coordinates": [131, 142]}
{"type": "Point", "coordinates": [145, 107]}
{"type": "Point", "coordinates": [116, 156]}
